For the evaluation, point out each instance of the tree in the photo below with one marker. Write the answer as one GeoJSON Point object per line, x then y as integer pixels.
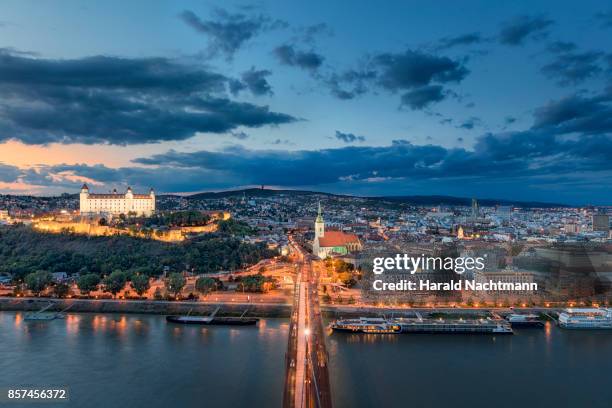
{"type": "Point", "coordinates": [205, 285]}
{"type": "Point", "coordinates": [254, 283]}
{"type": "Point", "coordinates": [115, 282]}
{"type": "Point", "coordinates": [140, 283]}
{"type": "Point", "coordinates": [234, 227]}
{"type": "Point", "coordinates": [88, 283]}
{"type": "Point", "coordinates": [157, 295]}
{"type": "Point", "coordinates": [61, 290]}
{"type": "Point", "coordinates": [38, 281]}
{"type": "Point", "coordinates": [175, 283]}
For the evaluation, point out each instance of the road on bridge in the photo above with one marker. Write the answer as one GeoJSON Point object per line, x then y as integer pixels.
{"type": "Point", "coordinates": [307, 377]}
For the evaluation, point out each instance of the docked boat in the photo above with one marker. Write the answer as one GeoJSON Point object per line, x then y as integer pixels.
{"type": "Point", "coordinates": [476, 326]}
{"type": "Point", "coordinates": [586, 318]}
{"type": "Point", "coordinates": [43, 315]}
{"type": "Point", "coordinates": [37, 316]}
{"type": "Point", "coordinates": [524, 320]}
{"type": "Point", "coordinates": [420, 325]}
{"type": "Point", "coordinates": [367, 325]}
{"type": "Point", "coordinates": [213, 319]}
{"type": "Point", "coordinates": [207, 320]}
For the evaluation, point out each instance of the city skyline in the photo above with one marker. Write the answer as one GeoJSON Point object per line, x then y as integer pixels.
{"type": "Point", "coordinates": [492, 101]}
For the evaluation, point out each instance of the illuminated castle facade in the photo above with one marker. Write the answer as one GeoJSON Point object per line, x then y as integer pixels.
{"type": "Point", "coordinates": [115, 203]}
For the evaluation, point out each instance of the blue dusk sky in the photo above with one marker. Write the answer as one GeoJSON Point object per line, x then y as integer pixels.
{"type": "Point", "coordinates": [509, 100]}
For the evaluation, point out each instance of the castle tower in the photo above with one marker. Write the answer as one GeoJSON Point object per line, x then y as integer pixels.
{"type": "Point", "coordinates": [319, 225]}
{"type": "Point", "coordinates": [83, 196]}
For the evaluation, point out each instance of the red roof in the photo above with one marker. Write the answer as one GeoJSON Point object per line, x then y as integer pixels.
{"type": "Point", "coordinates": [336, 238]}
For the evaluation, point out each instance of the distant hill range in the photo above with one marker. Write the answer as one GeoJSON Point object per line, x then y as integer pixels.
{"type": "Point", "coordinates": [255, 192]}
{"type": "Point", "coordinates": [414, 200]}
{"type": "Point", "coordinates": [410, 200]}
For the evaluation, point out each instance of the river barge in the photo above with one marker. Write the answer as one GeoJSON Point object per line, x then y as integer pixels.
{"type": "Point", "coordinates": [213, 319]}
{"type": "Point", "coordinates": [420, 325]}
{"type": "Point", "coordinates": [206, 320]}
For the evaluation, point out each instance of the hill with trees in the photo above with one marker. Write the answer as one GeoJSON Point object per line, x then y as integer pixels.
{"type": "Point", "coordinates": [23, 251]}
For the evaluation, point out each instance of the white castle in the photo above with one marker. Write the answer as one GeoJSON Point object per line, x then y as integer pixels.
{"type": "Point", "coordinates": [116, 203]}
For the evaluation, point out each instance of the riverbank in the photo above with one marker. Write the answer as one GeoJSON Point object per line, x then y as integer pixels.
{"type": "Point", "coordinates": [162, 307]}
{"type": "Point", "coordinates": [159, 307]}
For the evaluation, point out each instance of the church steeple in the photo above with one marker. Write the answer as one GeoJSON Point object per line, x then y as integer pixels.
{"type": "Point", "coordinates": [319, 216]}
{"type": "Point", "coordinates": [319, 225]}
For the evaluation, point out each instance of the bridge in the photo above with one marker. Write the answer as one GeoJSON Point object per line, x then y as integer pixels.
{"type": "Point", "coordinates": [307, 376]}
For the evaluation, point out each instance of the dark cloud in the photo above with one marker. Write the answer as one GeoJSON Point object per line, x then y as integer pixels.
{"type": "Point", "coordinates": [288, 55]}
{"type": "Point", "coordinates": [419, 76]}
{"type": "Point", "coordinates": [239, 135]}
{"type": "Point", "coordinates": [461, 40]}
{"type": "Point", "coordinates": [310, 33]}
{"type": "Point", "coordinates": [256, 82]}
{"type": "Point", "coordinates": [422, 97]}
{"type": "Point", "coordinates": [281, 142]}
{"type": "Point", "coordinates": [561, 47]}
{"type": "Point", "coordinates": [117, 101]}
{"type": "Point", "coordinates": [470, 123]}
{"type": "Point", "coordinates": [495, 156]}
{"type": "Point", "coordinates": [604, 18]}
{"type": "Point", "coordinates": [522, 28]}
{"type": "Point", "coordinates": [414, 69]}
{"type": "Point", "coordinates": [569, 136]}
{"type": "Point", "coordinates": [576, 114]}
{"type": "Point", "coordinates": [349, 137]}
{"type": "Point", "coordinates": [162, 178]}
{"type": "Point", "coordinates": [351, 83]}
{"type": "Point", "coordinates": [570, 140]}
{"type": "Point", "coordinates": [229, 32]}
{"type": "Point", "coordinates": [570, 68]}
{"type": "Point", "coordinates": [9, 173]}
{"type": "Point", "coordinates": [101, 72]}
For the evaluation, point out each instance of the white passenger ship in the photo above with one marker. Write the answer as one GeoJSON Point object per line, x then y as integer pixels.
{"type": "Point", "coordinates": [367, 325]}
{"type": "Point", "coordinates": [586, 318]}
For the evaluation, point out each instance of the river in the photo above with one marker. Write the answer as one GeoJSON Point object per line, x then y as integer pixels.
{"type": "Point", "coordinates": [141, 361]}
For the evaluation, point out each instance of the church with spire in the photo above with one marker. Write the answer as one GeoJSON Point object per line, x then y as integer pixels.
{"type": "Point", "coordinates": [332, 242]}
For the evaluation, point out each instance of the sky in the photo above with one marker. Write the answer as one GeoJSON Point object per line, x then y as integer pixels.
{"type": "Point", "coordinates": [508, 100]}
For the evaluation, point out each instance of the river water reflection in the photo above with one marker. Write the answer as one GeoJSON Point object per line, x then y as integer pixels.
{"type": "Point", "coordinates": [532, 368]}
{"type": "Point", "coordinates": [142, 361]}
